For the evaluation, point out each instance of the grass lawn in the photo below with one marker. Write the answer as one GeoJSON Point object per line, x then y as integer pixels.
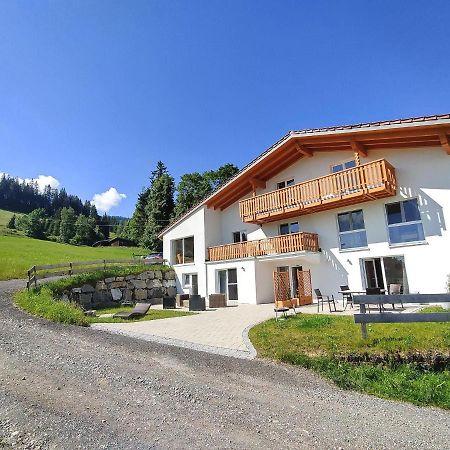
{"type": "Point", "coordinates": [152, 314]}
{"type": "Point", "coordinates": [4, 219]}
{"type": "Point", "coordinates": [328, 344]}
{"type": "Point", "coordinates": [18, 254]}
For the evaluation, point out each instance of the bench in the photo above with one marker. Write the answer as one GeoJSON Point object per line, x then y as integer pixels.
{"type": "Point", "coordinates": [390, 317]}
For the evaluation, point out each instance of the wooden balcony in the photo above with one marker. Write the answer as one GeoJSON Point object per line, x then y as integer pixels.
{"type": "Point", "coordinates": [296, 242]}
{"type": "Point", "coordinates": [351, 186]}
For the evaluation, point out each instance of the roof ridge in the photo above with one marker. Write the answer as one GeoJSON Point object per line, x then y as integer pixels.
{"type": "Point", "coordinates": [305, 131]}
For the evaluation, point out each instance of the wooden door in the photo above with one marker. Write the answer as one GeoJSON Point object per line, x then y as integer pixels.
{"type": "Point", "coordinates": [304, 292]}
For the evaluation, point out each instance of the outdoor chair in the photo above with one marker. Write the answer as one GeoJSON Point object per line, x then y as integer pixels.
{"type": "Point", "coordinates": [169, 303]}
{"type": "Point", "coordinates": [197, 303]}
{"type": "Point", "coordinates": [280, 307]}
{"type": "Point", "coordinates": [347, 297]}
{"type": "Point", "coordinates": [395, 289]}
{"type": "Point", "coordinates": [375, 291]}
{"type": "Point", "coordinates": [324, 298]}
{"type": "Point", "coordinates": [139, 310]}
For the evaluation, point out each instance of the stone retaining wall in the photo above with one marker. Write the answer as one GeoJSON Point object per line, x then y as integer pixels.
{"type": "Point", "coordinates": [148, 287]}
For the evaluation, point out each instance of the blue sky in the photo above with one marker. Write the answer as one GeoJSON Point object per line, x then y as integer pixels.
{"type": "Point", "coordinates": [93, 93]}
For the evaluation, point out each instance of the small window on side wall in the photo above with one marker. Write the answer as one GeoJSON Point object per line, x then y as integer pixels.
{"type": "Point", "coordinates": [285, 183]}
{"type": "Point", "coordinates": [342, 166]}
{"type": "Point", "coordinates": [404, 222]}
{"type": "Point", "coordinates": [239, 236]}
{"type": "Point", "coordinates": [289, 228]}
{"type": "Point", "coordinates": [352, 231]}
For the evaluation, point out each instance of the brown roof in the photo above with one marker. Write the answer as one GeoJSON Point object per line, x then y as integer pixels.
{"type": "Point", "coordinates": [367, 126]}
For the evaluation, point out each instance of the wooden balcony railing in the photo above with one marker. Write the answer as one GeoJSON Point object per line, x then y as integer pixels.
{"type": "Point", "coordinates": [358, 184]}
{"type": "Point", "coordinates": [287, 243]}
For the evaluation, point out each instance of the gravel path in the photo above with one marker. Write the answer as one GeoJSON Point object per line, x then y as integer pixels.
{"type": "Point", "coordinates": [67, 387]}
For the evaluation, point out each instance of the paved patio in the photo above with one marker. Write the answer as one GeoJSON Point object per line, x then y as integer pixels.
{"type": "Point", "coordinates": [222, 331]}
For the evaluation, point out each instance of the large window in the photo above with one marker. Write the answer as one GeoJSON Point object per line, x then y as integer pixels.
{"type": "Point", "coordinates": [289, 228]}
{"type": "Point", "coordinates": [352, 232]}
{"type": "Point", "coordinates": [183, 250]}
{"type": "Point", "coordinates": [404, 222]}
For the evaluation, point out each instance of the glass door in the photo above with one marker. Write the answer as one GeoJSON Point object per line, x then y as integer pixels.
{"type": "Point", "coordinates": [385, 271]}
{"type": "Point", "coordinates": [374, 273]}
{"type": "Point", "coordinates": [194, 284]}
{"type": "Point", "coordinates": [228, 283]}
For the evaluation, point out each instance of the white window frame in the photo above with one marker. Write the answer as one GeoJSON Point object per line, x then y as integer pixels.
{"type": "Point", "coordinates": [189, 276]}
{"type": "Point", "coordinates": [350, 231]}
{"type": "Point", "coordinates": [285, 181]}
{"type": "Point", "coordinates": [241, 233]}
{"type": "Point", "coordinates": [412, 222]}
{"type": "Point", "coordinates": [289, 224]}
{"type": "Point", "coordinates": [174, 256]}
{"type": "Point", "coordinates": [342, 163]}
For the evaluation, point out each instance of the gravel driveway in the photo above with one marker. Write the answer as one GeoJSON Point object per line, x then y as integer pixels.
{"type": "Point", "coordinates": [68, 387]}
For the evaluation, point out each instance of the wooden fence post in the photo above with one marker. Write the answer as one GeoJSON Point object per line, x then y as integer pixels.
{"type": "Point", "coordinates": [104, 264]}
{"type": "Point", "coordinates": [70, 269]}
{"type": "Point", "coordinates": [362, 310]}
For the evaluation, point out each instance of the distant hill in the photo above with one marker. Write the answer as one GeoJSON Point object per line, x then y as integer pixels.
{"type": "Point", "coordinates": [5, 216]}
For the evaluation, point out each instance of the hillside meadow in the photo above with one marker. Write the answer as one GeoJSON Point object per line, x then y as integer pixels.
{"type": "Point", "coordinates": [18, 254]}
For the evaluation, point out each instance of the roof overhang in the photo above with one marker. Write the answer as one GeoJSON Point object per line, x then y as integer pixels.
{"type": "Point", "coordinates": [299, 145]}
{"type": "Point", "coordinates": [432, 131]}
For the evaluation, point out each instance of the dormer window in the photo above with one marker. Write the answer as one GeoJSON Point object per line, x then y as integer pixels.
{"type": "Point", "coordinates": [285, 183]}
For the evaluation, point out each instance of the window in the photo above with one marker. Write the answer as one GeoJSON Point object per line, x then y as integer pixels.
{"type": "Point", "coordinates": [239, 236]}
{"type": "Point", "coordinates": [286, 183]}
{"type": "Point", "coordinates": [404, 222]}
{"type": "Point", "coordinates": [289, 228]}
{"type": "Point", "coordinates": [342, 166]}
{"type": "Point", "coordinates": [190, 281]}
{"type": "Point", "coordinates": [183, 250]}
{"type": "Point", "coordinates": [352, 232]}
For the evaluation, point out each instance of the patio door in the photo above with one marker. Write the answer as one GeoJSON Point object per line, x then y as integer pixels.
{"type": "Point", "coordinates": [228, 284]}
{"type": "Point", "coordinates": [384, 271]}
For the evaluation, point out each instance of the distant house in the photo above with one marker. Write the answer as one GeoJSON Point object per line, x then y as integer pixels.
{"type": "Point", "coordinates": [115, 242]}
{"type": "Point", "coordinates": [364, 205]}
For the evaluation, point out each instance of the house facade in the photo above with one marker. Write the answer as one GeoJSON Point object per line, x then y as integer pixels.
{"type": "Point", "coordinates": [364, 205]}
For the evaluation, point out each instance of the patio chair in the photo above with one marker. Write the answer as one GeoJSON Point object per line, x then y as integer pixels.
{"type": "Point", "coordinates": [139, 310]}
{"type": "Point", "coordinates": [324, 298]}
{"type": "Point", "coordinates": [374, 291]}
{"type": "Point", "coordinates": [395, 289]}
{"type": "Point", "coordinates": [283, 307]}
{"type": "Point", "coordinates": [346, 298]}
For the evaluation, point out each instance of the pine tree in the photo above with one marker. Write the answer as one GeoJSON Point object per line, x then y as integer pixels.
{"type": "Point", "coordinates": [12, 222]}
{"type": "Point", "coordinates": [159, 208]}
{"type": "Point", "coordinates": [67, 225]}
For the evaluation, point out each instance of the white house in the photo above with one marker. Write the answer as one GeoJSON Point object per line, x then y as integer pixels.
{"type": "Point", "coordinates": [364, 205]}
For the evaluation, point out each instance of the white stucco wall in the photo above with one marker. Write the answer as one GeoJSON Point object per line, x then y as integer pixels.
{"type": "Point", "coordinates": [422, 173]}
{"type": "Point", "coordinates": [193, 225]}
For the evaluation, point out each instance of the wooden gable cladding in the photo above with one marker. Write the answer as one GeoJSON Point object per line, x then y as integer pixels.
{"type": "Point", "coordinates": [300, 145]}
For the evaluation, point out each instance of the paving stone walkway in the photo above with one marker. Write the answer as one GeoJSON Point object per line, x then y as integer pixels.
{"type": "Point", "coordinates": [222, 331]}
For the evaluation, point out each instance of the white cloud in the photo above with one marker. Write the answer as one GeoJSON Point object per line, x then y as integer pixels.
{"type": "Point", "coordinates": [108, 199]}
{"type": "Point", "coordinates": [42, 181]}
{"type": "Point", "coordinates": [45, 180]}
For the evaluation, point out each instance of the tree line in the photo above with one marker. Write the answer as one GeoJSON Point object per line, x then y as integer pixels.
{"type": "Point", "coordinates": [157, 206]}
{"type": "Point", "coordinates": [53, 214]}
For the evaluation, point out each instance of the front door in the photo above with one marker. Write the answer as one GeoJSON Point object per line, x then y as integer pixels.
{"type": "Point", "coordinates": [194, 284]}
{"type": "Point", "coordinates": [228, 284]}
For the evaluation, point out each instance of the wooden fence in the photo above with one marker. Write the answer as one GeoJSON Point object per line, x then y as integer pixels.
{"type": "Point", "coordinates": [391, 317]}
{"type": "Point", "coordinates": [41, 272]}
